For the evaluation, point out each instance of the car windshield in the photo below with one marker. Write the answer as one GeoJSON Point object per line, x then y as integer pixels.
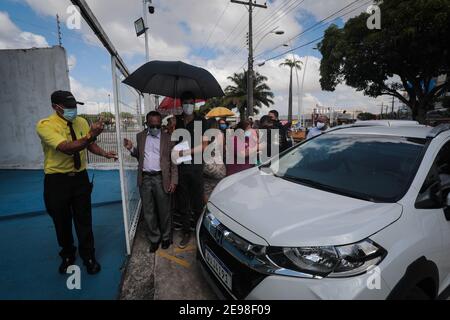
{"type": "Point", "coordinates": [374, 168]}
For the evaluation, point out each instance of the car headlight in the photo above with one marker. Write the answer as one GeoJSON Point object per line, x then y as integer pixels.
{"type": "Point", "coordinates": [331, 261]}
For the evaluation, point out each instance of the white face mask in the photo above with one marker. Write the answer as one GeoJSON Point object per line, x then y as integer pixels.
{"type": "Point", "coordinates": [188, 108]}
{"type": "Point", "coordinates": [320, 125]}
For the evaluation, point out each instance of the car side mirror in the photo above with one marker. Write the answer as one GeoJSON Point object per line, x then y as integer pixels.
{"type": "Point", "coordinates": [430, 198]}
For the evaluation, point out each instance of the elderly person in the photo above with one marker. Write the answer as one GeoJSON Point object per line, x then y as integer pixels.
{"type": "Point", "coordinates": [157, 179]}
{"type": "Point", "coordinates": [321, 126]}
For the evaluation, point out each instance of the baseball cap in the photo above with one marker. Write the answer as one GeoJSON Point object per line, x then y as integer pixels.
{"type": "Point", "coordinates": [65, 98]}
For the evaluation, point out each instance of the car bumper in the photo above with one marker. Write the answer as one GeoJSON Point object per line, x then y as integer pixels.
{"type": "Point", "coordinates": [252, 285]}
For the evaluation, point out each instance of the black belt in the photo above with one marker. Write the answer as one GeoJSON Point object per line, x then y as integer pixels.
{"type": "Point", "coordinates": [151, 173]}
{"type": "Point", "coordinates": [68, 174]}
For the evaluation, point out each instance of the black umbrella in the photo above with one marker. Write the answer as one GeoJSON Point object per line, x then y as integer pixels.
{"type": "Point", "coordinates": [172, 78]}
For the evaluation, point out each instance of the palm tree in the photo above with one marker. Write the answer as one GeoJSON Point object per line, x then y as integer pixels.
{"type": "Point", "coordinates": [236, 94]}
{"type": "Point", "coordinates": [292, 64]}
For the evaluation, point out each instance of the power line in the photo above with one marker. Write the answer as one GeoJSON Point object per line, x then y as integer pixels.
{"type": "Point", "coordinates": [293, 49]}
{"type": "Point", "coordinates": [214, 29]}
{"type": "Point", "coordinates": [318, 24]}
{"type": "Point", "coordinates": [288, 10]}
{"type": "Point", "coordinates": [321, 21]}
{"type": "Point", "coordinates": [279, 8]}
{"type": "Point", "coordinates": [269, 16]}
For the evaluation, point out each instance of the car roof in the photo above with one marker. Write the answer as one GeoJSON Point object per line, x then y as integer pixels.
{"type": "Point", "coordinates": [399, 128]}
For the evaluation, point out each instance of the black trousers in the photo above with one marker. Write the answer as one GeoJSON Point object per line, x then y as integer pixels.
{"type": "Point", "coordinates": [189, 193]}
{"type": "Point", "coordinates": [68, 198]}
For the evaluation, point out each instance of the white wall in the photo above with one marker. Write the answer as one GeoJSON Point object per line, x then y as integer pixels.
{"type": "Point", "coordinates": [27, 79]}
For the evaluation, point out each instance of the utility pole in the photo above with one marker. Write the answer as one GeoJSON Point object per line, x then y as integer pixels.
{"type": "Point", "coordinates": [58, 24]}
{"type": "Point", "coordinates": [147, 6]}
{"type": "Point", "coordinates": [250, 73]}
{"type": "Point", "coordinates": [382, 109]}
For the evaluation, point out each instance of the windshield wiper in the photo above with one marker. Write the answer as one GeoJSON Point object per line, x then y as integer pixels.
{"type": "Point", "coordinates": [324, 187]}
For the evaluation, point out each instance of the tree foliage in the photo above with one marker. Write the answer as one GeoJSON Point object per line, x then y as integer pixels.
{"type": "Point", "coordinates": [236, 94]}
{"type": "Point", "coordinates": [404, 56]}
{"type": "Point", "coordinates": [292, 64]}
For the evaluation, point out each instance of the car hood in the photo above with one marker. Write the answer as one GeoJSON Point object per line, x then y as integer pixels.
{"type": "Point", "coordinates": [284, 213]}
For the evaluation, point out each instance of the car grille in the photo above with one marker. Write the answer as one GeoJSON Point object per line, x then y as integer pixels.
{"type": "Point", "coordinates": [244, 278]}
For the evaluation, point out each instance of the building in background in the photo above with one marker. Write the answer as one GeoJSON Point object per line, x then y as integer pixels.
{"type": "Point", "coordinates": [27, 79]}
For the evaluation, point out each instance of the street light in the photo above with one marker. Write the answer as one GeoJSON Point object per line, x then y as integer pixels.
{"type": "Point", "coordinates": [273, 31]}
{"type": "Point", "coordinates": [139, 26]}
{"type": "Point", "coordinates": [250, 72]}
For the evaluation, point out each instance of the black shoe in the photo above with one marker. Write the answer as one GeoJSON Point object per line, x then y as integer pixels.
{"type": "Point", "coordinates": [153, 247]}
{"type": "Point", "coordinates": [184, 241]}
{"type": "Point", "coordinates": [66, 262]}
{"type": "Point", "coordinates": [92, 266]}
{"type": "Point", "coordinates": [166, 244]}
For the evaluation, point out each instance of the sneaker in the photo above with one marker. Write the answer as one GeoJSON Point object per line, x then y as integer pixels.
{"type": "Point", "coordinates": [184, 241]}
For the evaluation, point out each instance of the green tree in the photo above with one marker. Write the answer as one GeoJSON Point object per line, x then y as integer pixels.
{"type": "Point", "coordinates": [292, 64]}
{"type": "Point", "coordinates": [409, 50]}
{"type": "Point", "coordinates": [126, 115]}
{"type": "Point", "coordinates": [236, 94]}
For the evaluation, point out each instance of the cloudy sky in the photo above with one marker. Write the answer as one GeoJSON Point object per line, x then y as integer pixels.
{"type": "Point", "coordinates": [207, 33]}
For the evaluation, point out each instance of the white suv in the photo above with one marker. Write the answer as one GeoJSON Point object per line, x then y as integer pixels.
{"type": "Point", "coordinates": [359, 212]}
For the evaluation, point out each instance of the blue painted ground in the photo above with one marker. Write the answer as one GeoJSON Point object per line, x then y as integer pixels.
{"type": "Point", "coordinates": [28, 248]}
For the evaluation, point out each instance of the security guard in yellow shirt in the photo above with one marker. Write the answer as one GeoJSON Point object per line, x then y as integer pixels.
{"type": "Point", "coordinates": [67, 189]}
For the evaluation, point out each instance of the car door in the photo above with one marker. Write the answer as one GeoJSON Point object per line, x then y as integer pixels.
{"type": "Point", "coordinates": [437, 210]}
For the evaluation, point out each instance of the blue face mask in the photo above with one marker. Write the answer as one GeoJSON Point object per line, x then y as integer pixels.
{"type": "Point", "coordinates": [70, 114]}
{"type": "Point", "coordinates": [223, 126]}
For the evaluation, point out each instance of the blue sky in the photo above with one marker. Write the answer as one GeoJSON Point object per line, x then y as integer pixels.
{"type": "Point", "coordinates": [179, 31]}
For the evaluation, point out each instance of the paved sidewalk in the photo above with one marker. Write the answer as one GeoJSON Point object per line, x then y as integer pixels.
{"type": "Point", "coordinates": [172, 274]}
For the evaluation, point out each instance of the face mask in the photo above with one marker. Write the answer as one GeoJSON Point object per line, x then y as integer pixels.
{"type": "Point", "coordinates": [223, 126]}
{"type": "Point", "coordinates": [154, 131]}
{"type": "Point", "coordinates": [70, 114]}
{"type": "Point", "coordinates": [320, 125]}
{"type": "Point", "coordinates": [248, 134]}
{"type": "Point", "coordinates": [188, 108]}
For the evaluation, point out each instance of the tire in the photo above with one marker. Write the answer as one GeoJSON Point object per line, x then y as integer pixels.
{"type": "Point", "coordinates": [417, 294]}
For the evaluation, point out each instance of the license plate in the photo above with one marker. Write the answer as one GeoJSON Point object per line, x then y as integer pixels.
{"type": "Point", "coordinates": [219, 268]}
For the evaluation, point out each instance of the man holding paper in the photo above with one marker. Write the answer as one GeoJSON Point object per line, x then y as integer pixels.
{"type": "Point", "coordinates": [157, 179]}
{"type": "Point", "coordinates": [190, 188]}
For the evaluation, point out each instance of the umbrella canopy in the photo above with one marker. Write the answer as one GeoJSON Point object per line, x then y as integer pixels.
{"type": "Point", "coordinates": [172, 78]}
{"type": "Point", "coordinates": [169, 103]}
{"type": "Point", "coordinates": [220, 112]}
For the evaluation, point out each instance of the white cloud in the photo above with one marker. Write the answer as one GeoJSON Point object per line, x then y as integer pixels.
{"type": "Point", "coordinates": [180, 28]}
{"type": "Point", "coordinates": [11, 37]}
{"type": "Point", "coordinates": [95, 99]}
{"type": "Point", "coordinates": [71, 62]}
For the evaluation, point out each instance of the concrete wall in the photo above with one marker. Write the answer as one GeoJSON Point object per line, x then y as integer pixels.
{"type": "Point", "coordinates": [27, 79]}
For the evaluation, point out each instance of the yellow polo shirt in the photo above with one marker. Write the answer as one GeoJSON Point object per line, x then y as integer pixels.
{"type": "Point", "coordinates": [54, 130]}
